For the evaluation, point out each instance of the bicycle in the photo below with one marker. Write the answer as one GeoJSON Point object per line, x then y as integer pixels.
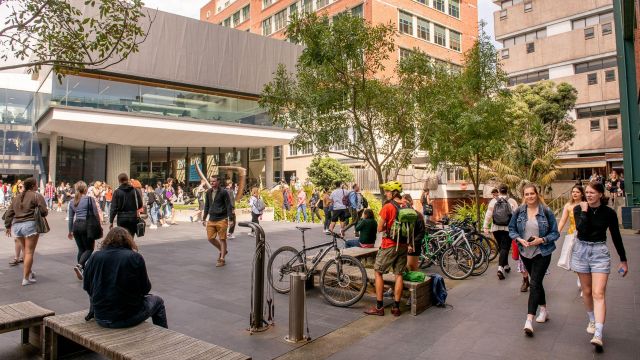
{"type": "Point", "coordinates": [343, 279]}
{"type": "Point", "coordinates": [456, 262]}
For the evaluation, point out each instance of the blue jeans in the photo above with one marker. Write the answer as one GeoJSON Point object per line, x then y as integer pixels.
{"type": "Point", "coordinates": [107, 208]}
{"type": "Point", "coordinates": [301, 208]}
{"type": "Point", "coordinates": [49, 202]}
{"type": "Point", "coordinates": [154, 214]}
{"type": "Point", "coordinates": [327, 217]}
{"type": "Point", "coordinates": [351, 243]}
{"type": "Point", "coordinates": [153, 308]}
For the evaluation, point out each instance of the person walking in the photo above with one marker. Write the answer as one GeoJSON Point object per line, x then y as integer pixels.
{"type": "Point", "coordinates": [590, 257]}
{"type": "Point", "coordinates": [232, 201]}
{"type": "Point", "coordinates": [315, 204]}
{"type": "Point", "coordinates": [60, 196]}
{"type": "Point", "coordinates": [217, 207]}
{"type": "Point", "coordinates": [19, 220]}
{"type": "Point", "coordinates": [126, 204]}
{"type": "Point", "coordinates": [577, 196]}
{"type": "Point", "coordinates": [108, 197]}
{"type": "Point", "coordinates": [339, 201]}
{"type": "Point", "coordinates": [286, 201]}
{"type": "Point", "coordinates": [80, 209]}
{"type": "Point", "coordinates": [357, 204]}
{"type": "Point", "coordinates": [534, 227]}
{"type": "Point", "coordinates": [499, 212]}
{"type": "Point", "coordinates": [326, 204]}
{"type": "Point", "coordinates": [302, 205]}
{"type": "Point", "coordinates": [50, 194]}
{"type": "Point", "coordinates": [18, 259]}
{"type": "Point", "coordinates": [427, 204]}
{"type": "Point", "coordinates": [257, 207]}
{"type": "Point", "coordinates": [170, 199]}
{"type": "Point", "coordinates": [152, 205]}
{"type": "Point", "coordinates": [199, 192]}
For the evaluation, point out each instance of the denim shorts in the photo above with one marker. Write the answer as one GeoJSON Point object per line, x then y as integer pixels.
{"type": "Point", "coordinates": [589, 257]}
{"type": "Point", "coordinates": [24, 229]}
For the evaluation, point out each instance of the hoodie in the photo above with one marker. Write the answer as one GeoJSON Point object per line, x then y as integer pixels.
{"type": "Point", "coordinates": [123, 203]}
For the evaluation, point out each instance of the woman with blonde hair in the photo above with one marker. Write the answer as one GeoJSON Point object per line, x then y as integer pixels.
{"type": "Point", "coordinates": [535, 230]}
{"type": "Point", "coordinates": [80, 208]}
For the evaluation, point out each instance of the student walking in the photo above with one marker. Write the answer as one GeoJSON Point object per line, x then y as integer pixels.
{"type": "Point", "coordinates": [316, 205]}
{"type": "Point", "coordinates": [50, 194]}
{"type": "Point", "coordinates": [339, 212]}
{"type": "Point", "coordinates": [257, 207]}
{"type": "Point", "coordinates": [534, 227]}
{"type": "Point", "coordinates": [577, 196]}
{"type": "Point", "coordinates": [126, 204]}
{"type": "Point", "coordinates": [590, 257]}
{"type": "Point", "coordinates": [427, 204]}
{"type": "Point", "coordinates": [217, 207]}
{"type": "Point", "coordinates": [232, 218]}
{"type": "Point", "coordinates": [499, 212]}
{"type": "Point", "coordinates": [80, 209]}
{"type": "Point", "coordinates": [302, 205]}
{"type": "Point", "coordinates": [19, 220]}
{"type": "Point", "coordinates": [326, 204]}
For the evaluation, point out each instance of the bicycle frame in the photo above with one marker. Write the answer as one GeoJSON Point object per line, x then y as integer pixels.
{"type": "Point", "coordinates": [326, 247]}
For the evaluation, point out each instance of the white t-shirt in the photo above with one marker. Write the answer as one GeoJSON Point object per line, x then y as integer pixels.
{"type": "Point", "coordinates": [336, 199]}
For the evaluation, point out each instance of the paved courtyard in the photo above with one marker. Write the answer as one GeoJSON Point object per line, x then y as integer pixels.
{"type": "Point", "coordinates": [483, 320]}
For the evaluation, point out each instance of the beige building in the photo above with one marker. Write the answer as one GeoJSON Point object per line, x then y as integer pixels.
{"type": "Point", "coordinates": [569, 41]}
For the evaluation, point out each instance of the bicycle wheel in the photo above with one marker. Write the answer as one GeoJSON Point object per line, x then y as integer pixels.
{"type": "Point", "coordinates": [490, 246]}
{"type": "Point", "coordinates": [283, 262]}
{"type": "Point", "coordinates": [343, 281]}
{"type": "Point", "coordinates": [481, 259]}
{"type": "Point", "coordinates": [457, 263]}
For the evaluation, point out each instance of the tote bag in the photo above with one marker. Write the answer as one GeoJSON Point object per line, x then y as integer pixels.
{"type": "Point", "coordinates": [567, 248]}
{"type": "Point", "coordinates": [94, 228]}
{"type": "Point", "coordinates": [140, 223]}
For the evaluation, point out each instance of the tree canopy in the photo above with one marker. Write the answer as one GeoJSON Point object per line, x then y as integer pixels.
{"type": "Point", "coordinates": [58, 33]}
{"type": "Point", "coordinates": [325, 171]}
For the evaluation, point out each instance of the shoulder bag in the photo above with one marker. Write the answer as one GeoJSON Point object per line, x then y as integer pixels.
{"type": "Point", "coordinates": [94, 227]}
{"type": "Point", "coordinates": [140, 223]}
{"type": "Point", "coordinates": [42, 225]}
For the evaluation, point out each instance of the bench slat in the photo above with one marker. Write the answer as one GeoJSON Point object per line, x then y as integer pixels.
{"type": "Point", "coordinates": [21, 315]}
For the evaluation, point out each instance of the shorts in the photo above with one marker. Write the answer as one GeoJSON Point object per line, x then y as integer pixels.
{"type": "Point", "coordinates": [217, 228]}
{"type": "Point", "coordinates": [393, 259]}
{"type": "Point", "coordinates": [339, 215]}
{"type": "Point", "coordinates": [24, 229]}
{"type": "Point", "coordinates": [588, 257]}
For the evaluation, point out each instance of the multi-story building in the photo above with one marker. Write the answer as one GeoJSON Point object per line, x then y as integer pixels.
{"type": "Point", "coordinates": [443, 29]}
{"type": "Point", "coordinates": [569, 41]}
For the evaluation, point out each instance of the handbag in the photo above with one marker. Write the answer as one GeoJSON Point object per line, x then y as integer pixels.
{"type": "Point", "coordinates": [567, 249]}
{"type": "Point", "coordinates": [427, 209]}
{"type": "Point", "coordinates": [94, 228]}
{"type": "Point", "coordinates": [515, 253]}
{"type": "Point", "coordinates": [141, 224]}
{"type": "Point", "coordinates": [42, 225]}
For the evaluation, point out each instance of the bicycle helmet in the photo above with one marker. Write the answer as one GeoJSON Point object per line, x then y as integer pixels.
{"type": "Point", "coordinates": [392, 185]}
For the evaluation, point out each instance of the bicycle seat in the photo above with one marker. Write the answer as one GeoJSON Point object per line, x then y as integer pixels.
{"type": "Point", "coordinates": [302, 228]}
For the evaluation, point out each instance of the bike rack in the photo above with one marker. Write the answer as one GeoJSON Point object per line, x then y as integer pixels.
{"type": "Point", "coordinates": [256, 320]}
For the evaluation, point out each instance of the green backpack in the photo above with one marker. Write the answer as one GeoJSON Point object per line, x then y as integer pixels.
{"type": "Point", "coordinates": [403, 227]}
{"type": "Point", "coordinates": [414, 276]}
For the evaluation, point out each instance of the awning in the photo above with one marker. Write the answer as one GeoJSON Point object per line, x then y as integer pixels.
{"type": "Point", "coordinates": [582, 164]}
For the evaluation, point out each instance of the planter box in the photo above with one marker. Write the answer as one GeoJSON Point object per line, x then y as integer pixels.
{"type": "Point", "coordinates": [243, 214]}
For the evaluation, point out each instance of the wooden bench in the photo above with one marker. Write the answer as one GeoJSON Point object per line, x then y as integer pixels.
{"type": "Point", "coordinates": [25, 316]}
{"type": "Point", "coordinates": [419, 292]}
{"type": "Point", "coordinates": [144, 341]}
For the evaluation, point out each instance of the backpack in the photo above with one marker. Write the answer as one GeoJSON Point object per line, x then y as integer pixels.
{"type": "Point", "coordinates": [260, 205]}
{"type": "Point", "coordinates": [402, 230]}
{"type": "Point", "coordinates": [345, 199]}
{"type": "Point", "coordinates": [502, 212]}
{"type": "Point", "coordinates": [365, 203]}
{"type": "Point", "coordinates": [438, 289]}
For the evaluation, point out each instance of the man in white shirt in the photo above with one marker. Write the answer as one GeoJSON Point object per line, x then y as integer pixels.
{"type": "Point", "coordinates": [339, 211]}
{"type": "Point", "coordinates": [499, 213]}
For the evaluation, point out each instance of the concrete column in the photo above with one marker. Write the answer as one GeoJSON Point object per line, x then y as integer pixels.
{"type": "Point", "coordinates": [118, 161]}
{"type": "Point", "coordinates": [53, 156]}
{"type": "Point", "coordinates": [283, 158]}
{"type": "Point", "coordinates": [268, 167]}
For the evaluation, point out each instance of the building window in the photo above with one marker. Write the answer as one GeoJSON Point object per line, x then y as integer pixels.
{"type": "Point", "coordinates": [505, 53]}
{"type": "Point", "coordinates": [531, 47]}
{"type": "Point", "coordinates": [406, 23]}
{"type": "Point", "coordinates": [280, 19]}
{"type": "Point", "coordinates": [208, 14]}
{"type": "Point", "coordinates": [266, 26]}
{"type": "Point", "coordinates": [454, 40]}
{"type": "Point", "coordinates": [503, 14]}
{"type": "Point", "coordinates": [595, 125]}
{"type": "Point", "coordinates": [612, 124]}
{"type": "Point", "coordinates": [606, 29]}
{"type": "Point", "coordinates": [528, 5]}
{"type": "Point", "coordinates": [227, 22]}
{"type": "Point", "coordinates": [439, 5]}
{"type": "Point", "coordinates": [293, 9]}
{"type": "Point", "coordinates": [423, 2]}
{"type": "Point", "coordinates": [454, 8]}
{"type": "Point", "coordinates": [440, 35]}
{"type": "Point", "coordinates": [245, 13]}
{"type": "Point", "coordinates": [277, 150]}
{"type": "Point", "coordinates": [598, 111]}
{"type": "Point", "coordinates": [594, 65]}
{"type": "Point", "coordinates": [529, 78]}
{"type": "Point", "coordinates": [404, 53]}
{"type": "Point", "coordinates": [609, 76]}
{"type": "Point", "coordinates": [307, 6]}
{"type": "Point", "coordinates": [423, 29]}
{"type": "Point", "coordinates": [592, 78]}
{"type": "Point", "coordinates": [293, 151]}
{"type": "Point", "coordinates": [592, 20]}
{"type": "Point", "coordinates": [236, 18]}
{"type": "Point", "coordinates": [255, 154]}
{"type": "Point", "coordinates": [321, 3]}
{"type": "Point", "coordinates": [266, 3]}
{"type": "Point", "coordinates": [589, 33]}
{"type": "Point", "coordinates": [357, 11]}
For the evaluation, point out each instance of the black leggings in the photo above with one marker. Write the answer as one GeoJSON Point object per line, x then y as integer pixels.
{"type": "Point", "coordinates": [504, 244]}
{"type": "Point", "coordinates": [537, 268]}
{"type": "Point", "coordinates": [85, 245]}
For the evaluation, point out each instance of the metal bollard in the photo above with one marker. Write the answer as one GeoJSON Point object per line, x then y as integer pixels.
{"type": "Point", "coordinates": [257, 320]}
{"type": "Point", "coordinates": [296, 308]}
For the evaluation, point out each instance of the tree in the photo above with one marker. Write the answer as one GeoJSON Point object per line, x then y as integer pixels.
{"type": "Point", "coordinates": [57, 33]}
{"type": "Point", "coordinates": [325, 171]}
{"type": "Point", "coordinates": [470, 125]}
{"type": "Point", "coordinates": [338, 99]}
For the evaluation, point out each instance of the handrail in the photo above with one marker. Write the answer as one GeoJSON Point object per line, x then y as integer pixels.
{"type": "Point", "coordinates": [557, 204]}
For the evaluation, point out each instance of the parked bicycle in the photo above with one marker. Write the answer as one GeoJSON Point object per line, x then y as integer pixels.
{"type": "Point", "coordinates": [455, 262]}
{"type": "Point", "coordinates": [343, 278]}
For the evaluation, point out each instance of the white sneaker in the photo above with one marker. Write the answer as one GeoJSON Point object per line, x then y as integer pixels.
{"type": "Point", "coordinates": [26, 282]}
{"type": "Point", "coordinates": [165, 225]}
{"type": "Point", "coordinates": [591, 327]}
{"type": "Point", "coordinates": [66, 219]}
{"type": "Point", "coordinates": [32, 277]}
{"type": "Point", "coordinates": [153, 226]}
{"type": "Point", "coordinates": [231, 236]}
{"type": "Point", "coordinates": [597, 342]}
{"type": "Point", "coordinates": [542, 315]}
{"type": "Point", "coordinates": [528, 328]}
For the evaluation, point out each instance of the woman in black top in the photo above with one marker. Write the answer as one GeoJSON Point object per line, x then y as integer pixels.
{"type": "Point", "coordinates": [79, 209]}
{"type": "Point", "coordinates": [590, 256]}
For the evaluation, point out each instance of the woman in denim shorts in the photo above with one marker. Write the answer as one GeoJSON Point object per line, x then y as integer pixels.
{"type": "Point", "coordinates": [590, 257]}
{"type": "Point", "coordinates": [20, 221]}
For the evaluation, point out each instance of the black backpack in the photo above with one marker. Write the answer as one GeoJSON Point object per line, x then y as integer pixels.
{"type": "Point", "coordinates": [502, 212]}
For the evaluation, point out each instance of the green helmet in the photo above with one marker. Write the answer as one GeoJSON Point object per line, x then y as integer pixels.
{"type": "Point", "coordinates": [392, 185]}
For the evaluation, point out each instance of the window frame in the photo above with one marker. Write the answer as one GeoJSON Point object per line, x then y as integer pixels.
{"type": "Point", "coordinates": [503, 14]}
{"type": "Point", "coordinates": [427, 28]}
{"type": "Point", "coordinates": [246, 15]}
{"type": "Point", "coordinates": [592, 78]}
{"type": "Point", "coordinates": [504, 53]}
{"type": "Point", "coordinates": [528, 6]}
{"type": "Point", "coordinates": [615, 120]}
{"type": "Point", "coordinates": [435, 35]}
{"type": "Point", "coordinates": [452, 41]}
{"type": "Point", "coordinates": [589, 33]}
{"type": "Point", "coordinates": [531, 47]}
{"type": "Point", "coordinates": [403, 22]}
{"type": "Point", "coordinates": [593, 128]}
{"type": "Point", "coordinates": [610, 75]}
{"type": "Point", "coordinates": [456, 8]}
{"type": "Point", "coordinates": [607, 28]}
{"type": "Point", "coordinates": [436, 4]}
{"type": "Point", "coordinates": [270, 24]}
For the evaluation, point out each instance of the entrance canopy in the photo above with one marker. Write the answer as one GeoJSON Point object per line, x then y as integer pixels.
{"type": "Point", "coordinates": [116, 127]}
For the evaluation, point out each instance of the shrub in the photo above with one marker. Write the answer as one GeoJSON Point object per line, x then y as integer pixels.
{"type": "Point", "coordinates": [465, 210]}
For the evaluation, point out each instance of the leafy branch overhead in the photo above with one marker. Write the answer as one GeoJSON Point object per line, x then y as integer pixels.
{"type": "Point", "coordinates": [71, 35]}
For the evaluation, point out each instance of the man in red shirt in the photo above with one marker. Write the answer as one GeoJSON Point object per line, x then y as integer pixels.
{"type": "Point", "coordinates": [391, 254]}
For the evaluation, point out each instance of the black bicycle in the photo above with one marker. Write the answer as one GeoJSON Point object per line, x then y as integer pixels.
{"type": "Point", "coordinates": [343, 279]}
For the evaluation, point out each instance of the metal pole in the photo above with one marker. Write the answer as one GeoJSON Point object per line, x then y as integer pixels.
{"type": "Point", "coordinates": [257, 322]}
{"type": "Point", "coordinates": [296, 308]}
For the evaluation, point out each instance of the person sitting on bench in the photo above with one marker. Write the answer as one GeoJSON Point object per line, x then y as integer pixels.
{"type": "Point", "coordinates": [368, 229]}
{"type": "Point", "coordinates": [118, 286]}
